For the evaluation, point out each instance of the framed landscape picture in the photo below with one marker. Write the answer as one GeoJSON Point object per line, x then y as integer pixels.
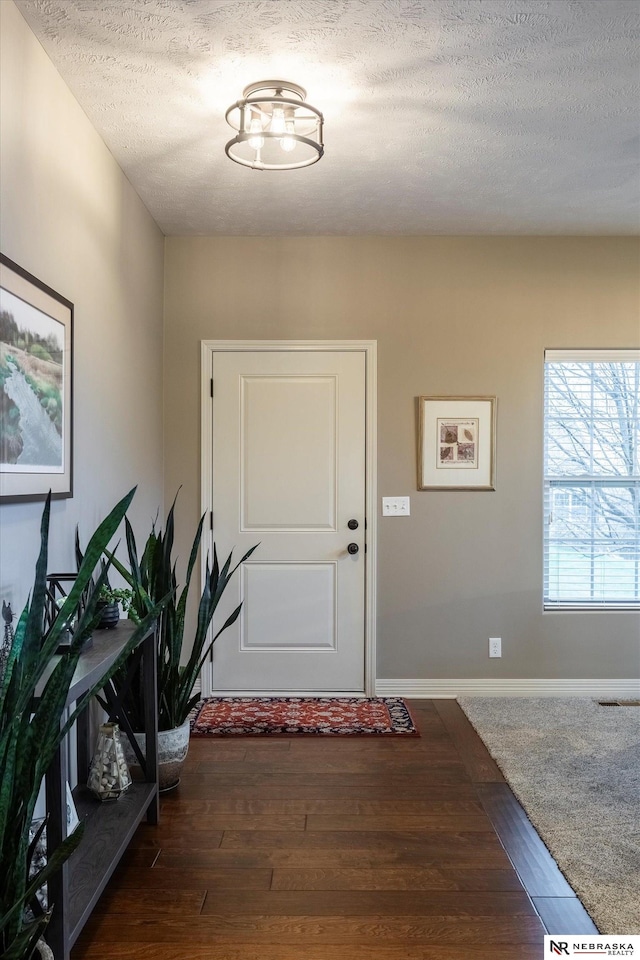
{"type": "Point", "coordinates": [456, 443]}
{"type": "Point", "coordinates": [36, 376]}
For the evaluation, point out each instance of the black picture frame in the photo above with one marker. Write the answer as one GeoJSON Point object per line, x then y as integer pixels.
{"type": "Point", "coordinates": [36, 388]}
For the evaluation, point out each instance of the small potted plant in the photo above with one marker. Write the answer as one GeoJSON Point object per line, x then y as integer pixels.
{"type": "Point", "coordinates": [109, 602]}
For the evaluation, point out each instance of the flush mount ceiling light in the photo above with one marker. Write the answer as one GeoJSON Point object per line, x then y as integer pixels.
{"type": "Point", "coordinates": [277, 130]}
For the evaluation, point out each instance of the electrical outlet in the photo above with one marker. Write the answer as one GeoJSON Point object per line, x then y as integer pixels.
{"type": "Point", "coordinates": [495, 646]}
{"type": "Point", "coordinates": [395, 507]}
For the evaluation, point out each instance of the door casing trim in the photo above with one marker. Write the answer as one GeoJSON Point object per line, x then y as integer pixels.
{"type": "Point", "coordinates": [369, 348]}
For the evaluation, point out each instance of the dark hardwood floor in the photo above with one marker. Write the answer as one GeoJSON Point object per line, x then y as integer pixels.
{"type": "Point", "coordinates": [325, 849]}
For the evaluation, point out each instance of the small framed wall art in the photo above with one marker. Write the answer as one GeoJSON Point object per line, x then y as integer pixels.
{"type": "Point", "coordinates": [456, 443]}
{"type": "Point", "coordinates": [36, 358]}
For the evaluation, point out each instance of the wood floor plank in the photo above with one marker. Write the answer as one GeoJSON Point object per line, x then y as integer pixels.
{"type": "Point", "coordinates": [215, 822]}
{"type": "Point", "coordinates": [130, 865]}
{"type": "Point", "coordinates": [332, 806]}
{"type": "Point", "coordinates": [138, 859]}
{"type": "Point", "coordinates": [316, 788]}
{"type": "Point", "coordinates": [438, 844]}
{"type": "Point", "coordinates": [255, 858]}
{"type": "Point", "coordinates": [437, 740]}
{"type": "Point", "coordinates": [155, 950]}
{"type": "Point", "coordinates": [479, 763]}
{"type": "Point", "coordinates": [366, 903]}
{"type": "Point", "coordinates": [454, 823]}
{"type": "Point", "coordinates": [376, 785]}
{"type": "Point", "coordinates": [535, 865]}
{"type": "Point", "coordinates": [422, 706]}
{"type": "Point", "coordinates": [258, 749]}
{"type": "Point", "coordinates": [435, 753]}
{"type": "Point", "coordinates": [303, 930]}
{"type": "Point", "coordinates": [221, 752]}
{"type": "Point", "coordinates": [266, 744]}
{"type": "Point", "coordinates": [185, 876]}
{"type": "Point", "coordinates": [167, 901]}
{"type": "Point", "coordinates": [444, 761]}
{"type": "Point", "coordinates": [179, 833]}
{"type": "Point", "coordinates": [274, 745]}
{"type": "Point", "coordinates": [216, 750]}
{"type": "Point", "coordinates": [395, 878]}
{"type": "Point", "coordinates": [564, 915]}
{"type": "Point", "coordinates": [424, 724]}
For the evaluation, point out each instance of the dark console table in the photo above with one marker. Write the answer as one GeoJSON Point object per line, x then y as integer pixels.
{"type": "Point", "coordinates": [109, 826]}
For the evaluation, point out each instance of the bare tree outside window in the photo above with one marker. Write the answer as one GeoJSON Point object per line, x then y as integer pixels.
{"type": "Point", "coordinates": [592, 482]}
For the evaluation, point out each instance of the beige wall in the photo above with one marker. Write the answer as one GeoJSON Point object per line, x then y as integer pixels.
{"type": "Point", "coordinates": [451, 316]}
{"type": "Point", "coordinates": [71, 218]}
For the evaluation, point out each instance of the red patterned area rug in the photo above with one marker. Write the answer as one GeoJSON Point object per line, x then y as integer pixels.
{"type": "Point", "coordinates": [306, 716]}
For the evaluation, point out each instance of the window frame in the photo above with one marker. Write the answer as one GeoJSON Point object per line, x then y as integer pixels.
{"type": "Point", "coordinates": [587, 482]}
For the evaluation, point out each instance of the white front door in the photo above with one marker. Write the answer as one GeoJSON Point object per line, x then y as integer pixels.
{"type": "Point", "coordinates": [288, 471]}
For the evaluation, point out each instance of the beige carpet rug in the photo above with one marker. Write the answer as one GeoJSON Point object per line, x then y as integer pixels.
{"type": "Point", "coordinates": [575, 768]}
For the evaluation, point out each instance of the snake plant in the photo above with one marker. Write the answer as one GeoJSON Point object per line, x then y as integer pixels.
{"type": "Point", "coordinates": [153, 577]}
{"type": "Point", "coordinates": [32, 727]}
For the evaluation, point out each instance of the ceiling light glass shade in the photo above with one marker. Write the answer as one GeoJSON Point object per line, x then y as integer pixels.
{"type": "Point", "coordinates": [277, 130]}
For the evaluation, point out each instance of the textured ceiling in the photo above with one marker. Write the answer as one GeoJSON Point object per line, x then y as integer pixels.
{"type": "Point", "coordinates": [441, 116]}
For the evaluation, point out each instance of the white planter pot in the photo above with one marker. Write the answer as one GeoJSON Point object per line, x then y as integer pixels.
{"type": "Point", "coordinates": [172, 752]}
{"type": "Point", "coordinates": [44, 951]}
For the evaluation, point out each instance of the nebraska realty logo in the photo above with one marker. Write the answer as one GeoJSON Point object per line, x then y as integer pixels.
{"type": "Point", "coordinates": [580, 946]}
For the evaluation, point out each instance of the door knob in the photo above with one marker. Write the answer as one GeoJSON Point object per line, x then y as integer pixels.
{"type": "Point", "coordinates": [353, 548]}
{"type": "Point", "coordinates": [353, 524]}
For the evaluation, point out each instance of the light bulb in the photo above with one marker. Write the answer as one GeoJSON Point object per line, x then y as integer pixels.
{"type": "Point", "coordinates": [255, 127]}
{"type": "Point", "coordinates": [277, 120]}
{"type": "Point", "coordinates": [288, 143]}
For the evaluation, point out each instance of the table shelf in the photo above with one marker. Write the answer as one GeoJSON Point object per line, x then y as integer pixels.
{"type": "Point", "coordinates": [108, 830]}
{"type": "Point", "coordinates": [109, 826]}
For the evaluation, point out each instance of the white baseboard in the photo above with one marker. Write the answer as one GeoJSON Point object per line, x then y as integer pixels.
{"type": "Point", "coordinates": [450, 689]}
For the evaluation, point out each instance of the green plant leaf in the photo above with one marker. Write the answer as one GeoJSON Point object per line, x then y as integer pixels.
{"type": "Point", "coordinates": [31, 727]}
{"type": "Point", "coordinates": [153, 578]}
{"type": "Point", "coordinates": [54, 862]}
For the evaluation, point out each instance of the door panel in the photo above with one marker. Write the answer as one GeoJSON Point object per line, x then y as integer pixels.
{"type": "Point", "coordinates": [289, 606]}
{"type": "Point", "coordinates": [288, 471]}
{"type": "Point", "coordinates": [288, 427]}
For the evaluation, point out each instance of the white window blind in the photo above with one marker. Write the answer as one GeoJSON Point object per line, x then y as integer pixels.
{"type": "Point", "coordinates": [592, 479]}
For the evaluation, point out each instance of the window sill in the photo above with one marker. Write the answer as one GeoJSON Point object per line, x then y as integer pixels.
{"type": "Point", "coordinates": [591, 608]}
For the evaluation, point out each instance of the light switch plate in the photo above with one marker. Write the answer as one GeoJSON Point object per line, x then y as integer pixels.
{"type": "Point", "coordinates": [395, 507]}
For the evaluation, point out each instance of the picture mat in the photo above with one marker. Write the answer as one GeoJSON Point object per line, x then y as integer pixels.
{"type": "Point", "coordinates": [29, 318]}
